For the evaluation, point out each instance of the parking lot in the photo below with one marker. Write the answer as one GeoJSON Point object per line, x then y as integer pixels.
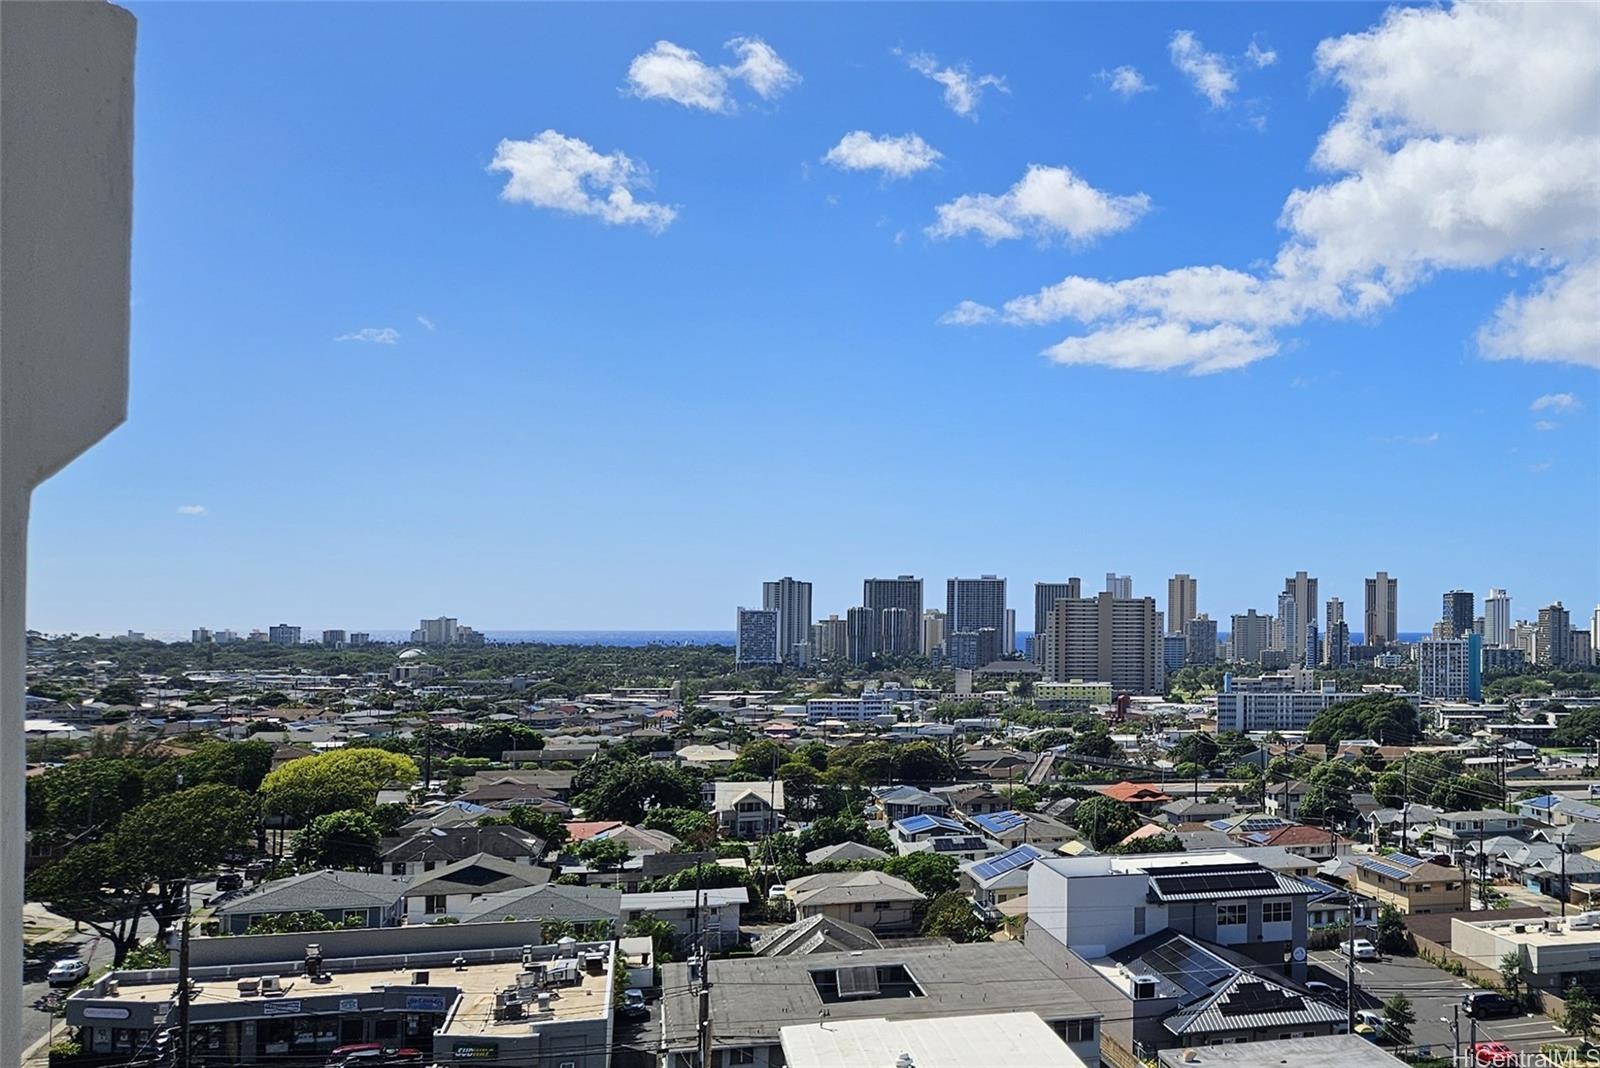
{"type": "Point", "coordinates": [1434, 994]}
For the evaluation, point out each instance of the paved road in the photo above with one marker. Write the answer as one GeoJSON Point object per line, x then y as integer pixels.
{"type": "Point", "coordinates": [87, 946]}
{"type": "Point", "coordinates": [1434, 993]}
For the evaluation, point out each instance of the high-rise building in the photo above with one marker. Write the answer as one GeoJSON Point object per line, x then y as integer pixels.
{"type": "Point", "coordinates": [1525, 637]}
{"type": "Point", "coordinates": [226, 637]}
{"type": "Point", "coordinates": [830, 639]}
{"type": "Point", "coordinates": [1107, 639]}
{"type": "Point", "coordinates": [1119, 586]}
{"type": "Point", "coordinates": [1451, 669]}
{"type": "Point", "coordinates": [902, 592]}
{"type": "Point", "coordinates": [1594, 637]}
{"type": "Point", "coordinates": [1457, 612]}
{"type": "Point", "coordinates": [1008, 637]}
{"type": "Point", "coordinates": [756, 638]}
{"type": "Point", "coordinates": [1313, 646]}
{"type": "Point", "coordinates": [283, 634]}
{"type": "Point", "coordinates": [863, 627]}
{"type": "Point", "coordinates": [1497, 618]}
{"type": "Point", "coordinates": [1336, 639]}
{"type": "Point", "coordinates": [441, 631]}
{"type": "Point", "coordinates": [1045, 595]}
{"type": "Point", "coordinates": [360, 639]}
{"type": "Point", "coordinates": [791, 599]}
{"type": "Point", "coordinates": [1174, 652]}
{"type": "Point", "coordinates": [1554, 635]}
{"type": "Point", "coordinates": [1286, 624]}
{"type": "Point", "coordinates": [200, 636]}
{"type": "Point", "coordinates": [1303, 589]}
{"type": "Point", "coordinates": [1249, 636]}
{"type": "Point", "coordinates": [1383, 596]}
{"type": "Point", "coordinates": [1580, 651]}
{"type": "Point", "coordinates": [1201, 646]}
{"type": "Point", "coordinates": [894, 631]}
{"type": "Point", "coordinates": [334, 639]}
{"type": "Point", "coordinates": [975, 604]}
{"type": "Point", "coordinates": [1181, 591]}
{"type": "Point", "coordinates": [932, 631]}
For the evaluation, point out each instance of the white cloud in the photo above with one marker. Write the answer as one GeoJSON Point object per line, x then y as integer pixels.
{"type": "Point", "coordinates": [963, 90]}
{"type": "Point", "coordinates": [1560, 402]}
{"type": "Point", "coordinates": [426, 322]}
{"type": "Point", "coordinates": [566, 174]}
{"type": "Point", "coordinates": [1261, 57]}
{"type": "Point", "coordinates": [1542, 466]}
{"type": "Point", "coordinates": [1559, 320]}
{"type": "Point", "coordinates": [762, 68]}
{"type": "Point", "coordinates": [1453, 152]}
{"type": "Point", "coordinates": [1048, 202]}
{"type": "Point", "coordinates": [896, 157]}
{"type": "Point", "coordinates": [967, 313]}
{"type": "Point", "coordinates": [191, 509]}
{"type": "Point", "coordinates": [377, 335]}
{"type": "Point", "coordinates": [1208, 71]}
{"type": "Point", "coordinates": [1125, 81]}
{"type": "Point", "coordinates": [1151, 345]}
{"type": "Point", "coordinates": [671, 72]}
{"type": "Point", "coordinates": [1543, 425]}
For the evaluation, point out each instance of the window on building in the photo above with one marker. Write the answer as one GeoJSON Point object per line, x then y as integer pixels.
{"type": "Point", "coordinates": [1277, 912]}
{"type": "Point", "coordinates": [1074, 1030]}
{"type": "Point", "coordinates": [1230, 915]}
{"type": "Point", "coordinates": [1138, 919]}
{"type": "Point", "coordinates": [433, 903]}
{"type": "Point", "coordinates": [743, 1055]}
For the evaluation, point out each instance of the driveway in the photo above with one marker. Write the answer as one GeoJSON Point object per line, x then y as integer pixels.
{"type": "Point", "coordinates": [1434, 994]}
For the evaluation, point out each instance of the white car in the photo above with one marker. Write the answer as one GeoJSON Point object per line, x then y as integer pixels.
{"type": "Point", "coordinates": [1360, 949]}
{"type": "Point", "coordinates": [67, 972]}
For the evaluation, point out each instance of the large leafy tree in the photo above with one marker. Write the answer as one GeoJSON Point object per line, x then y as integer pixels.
{"type": "Point", "coordinates": [238, 764]}
{"type": "Point", "coordinates": [86, 796]}
{"type": "Point", "coordinates": [1385, 718]}
{"type": "Point", "coordinates": [547, 827]}
{"type": "Point", "coordinates": [179, 836]}
{"type": "Point", "coordinates": [91, 885]}
{"type": "Point", "coordinates": [627, 790]}
{"type": "Point", "coordinates": [1105, 821]}
{"type": "Point", "coordinates": [950, 916]}
{"type": "Point", "coordinates": [344, 839]}
{"type": "Point", "coordinates": [312, 786]}
{"type": "Point", "coordinates": [931, 874]}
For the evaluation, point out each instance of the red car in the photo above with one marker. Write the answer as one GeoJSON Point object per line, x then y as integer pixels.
{"type": "Point", "coordinates": [1493, 1054]}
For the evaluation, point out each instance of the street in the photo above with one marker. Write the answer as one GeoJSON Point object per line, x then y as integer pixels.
{"type": "Point", "coordinates": [1434, 994]}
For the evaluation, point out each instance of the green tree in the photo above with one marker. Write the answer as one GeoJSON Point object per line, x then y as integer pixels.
{"type": "Point", "coordinates": [1161, 843]}
{"type": "Point", "coordinates": [831, 830]}
{"type": "Point", "coordinates": [1094, 743]}
{"type": "Point", "coordinates": [179, 836]}
{"type": "Point", "coordinates": [691, 826]}
{"type": "Point", "coordinates": [90, 885]}
{"type": "Point", "coordinates": [950, 916]}
{"type": "Point", "coordinates": [1198, 748]}
{"type": "Point", "coordinates": [759, 758]}
{"type": "Point", "coordinates": [931, 874]}
{"type": "Point", "coordinates": [627, 790]}
{"type": "Point", "coordinates": [273, 699]}
{"type": "Point", "coordinates": [1580, 727]}
{"type": "Point", "coordinates": [1392, 934]}
{"type": "Point", "coordinates": [289, 923]}
{"type": "Point", "coordinates": [312, 786]}
{"type": "Point", "coordinates": [1104, 821]}
{"type": "Point", "coordinates": [1398, 1016]}
{"type": "Point", "coordinates": [547, 826]}
{"type": "Point", "coordinates": [1386, 718]}
{"type": "Point", "coordinates": [344, 839]}
{"type": "Point", "coordinates": [663, 936]}
{"type": "Point", "coordinates": [89, 795]}
{"type": "Point", "coordinates": [602, 853]}
{"type": "Point", "coordinates": [1578, 1018]}
{"type": "Point", "coordinates": [1511, 974]}
{"type": "Point", "coordinates": [120, 693]}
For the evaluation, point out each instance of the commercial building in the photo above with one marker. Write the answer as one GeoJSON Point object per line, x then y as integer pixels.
{"type": "Point", "coordinates": [1555, 953]}
{"type": "Point", "coordinates": [1119, 586]}
{"type": "Point", "coordinates": [1107, 639]}
{"type": "Point", "coordinates": [756, 637]}
{"type": "Point", "coordinates": [334, 639]}
{"type": "Point", "coordinates": [895, 632]}
{"type": "Point", "coordinates": [1181, 591]}
{"type": "Point", "coordinates": [1271, 703]}
{"type": "Point", "coordinates": [1008, 636]}
{"type": "Point", "coordinates": [200, 636]}
{"type": "Point", "coordinates": [360, 639]}
{"type": "Point", "coordinates": [903, 592]}
{"type": "Point", "coordinates": [791, 600]}
{"type": "Point", "coordinates": [1383, 596]}
{"type": "Point", "coordinates": [1451, 669]}
{"type": "Point", "coordinates": [972, 649]}
{"type": "Point", "coordinates": [1070, 694]}
{"type": "Point", "coordinates": [976, 604]}
{"type": "Point", "coordinates": [1313, 651]}
{"type": "Point", "coordinates": [1201, 644]}
{"type": "Point", "coordinates": [1553, 638]}
{"type": "Point", "coordinates": [1045, 596]}
{"type": "Point", "coordinates": [283, 634]}
{"type": "Point", "coordinates": [871, 705]}
{"type": "Point", "coordinates": [459, 993]}
{"type": "Point", "coordinates": [1497, 618]}
{"type": "Point", "coordinates": [862, 625]}
{"type": "Point", "coordinates": [1249, 636]}
{"type": "Point", "coordinates": [1457, 613]}
{"type": "Point", "coordinates": [1302, 590]}
{"type": "Point", "coordinates": [754, 999]}
{"type": "Point", "coordinates": [1285, 625]}
{"type": "Point", "coordinates": [932, 631]}
{"type": "Point", "coordinates": [1012, 1038]}
{"type": "Point", "coordinates": [442, 631]}
{"type": "Point", "coordinates": [1335, 635]}
{"type": "Point", "coordinates": [1174, 652]}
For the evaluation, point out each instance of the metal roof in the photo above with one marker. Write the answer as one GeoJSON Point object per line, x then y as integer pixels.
{"type": "Point", "coordinates": [1010, 860]}
{"type": "Point", "coordinates": [923, 823]}
{"type": "Point", "coordinates": [1247, 1002]}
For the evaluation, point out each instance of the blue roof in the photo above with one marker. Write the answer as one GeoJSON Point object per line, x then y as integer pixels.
{"type": "Point", "coordinates": [1000, 822]}
{"type": "Point", "coordinates": [1547, 801]}
{"type": "Point", "coordinates": [1010, 860]}
{"type": "Point", "coordinates": [922, 823]}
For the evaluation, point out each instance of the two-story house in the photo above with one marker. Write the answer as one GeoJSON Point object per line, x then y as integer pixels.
{"type": "Point", "coordinates": [1411, 884]}
{"type": "Point", "coordinates": [745, 809]}
{"type": "Point", "coordinates": [898, 802]}
{"type": "Point", "coordinates": [453, 891]}
{"type": "Point", "coordinates": [870, 899]}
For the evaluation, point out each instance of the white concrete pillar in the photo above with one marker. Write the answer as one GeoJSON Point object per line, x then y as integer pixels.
{"type": "Point", "coordinates": [66, 209]}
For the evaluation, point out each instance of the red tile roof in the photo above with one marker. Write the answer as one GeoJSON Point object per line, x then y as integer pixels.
{"type": "Point", "coordinates": [1136, 791]}
{"type": "Point", "coordinates": [581, 830]}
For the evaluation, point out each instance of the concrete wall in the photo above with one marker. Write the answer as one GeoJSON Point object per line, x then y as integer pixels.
{"type": "Point", "coordinates": [264, 949]}
{"type": "Point", "coordinates": [66, 224]}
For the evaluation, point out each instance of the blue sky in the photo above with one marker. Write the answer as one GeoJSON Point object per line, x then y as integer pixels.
{"type": "Point", "coordinates": [645, 384]}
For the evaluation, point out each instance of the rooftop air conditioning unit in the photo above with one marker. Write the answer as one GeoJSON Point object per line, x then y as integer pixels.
{"type": "Point", "coordinates": [1144, 987]}
{"type": "Point", "coordinates": [113, 987]}
{"type": "Point", "coordinates": [271, 985]}
{"type": "Point", "coordinates": [419, 978]}
{"type": "Point", "coordinates": [249, 986]}
{"type": "Point", "coordinates": [1190, 1055]}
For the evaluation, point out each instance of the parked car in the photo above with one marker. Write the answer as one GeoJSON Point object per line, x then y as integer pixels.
{"type": "Point", "coordinates": [229, 881]}
{"type": "Point", "coordinates": [67, 972]}
{"type": "Point", "coordinates": [1360, 949]}
{"type": "Point", "coordinates": [1333, 995]}
{"type": "Point", "coordinates": [633, 1006]}
{"type": "Point", "coordinates": [371, 1054]}
{"type": "Point", "coordinates": [1373, 1019]}
{"type": "Point", "coordinates": [1493, 1054]}
{"type": "Point", "coordinates": [1486, 1005]}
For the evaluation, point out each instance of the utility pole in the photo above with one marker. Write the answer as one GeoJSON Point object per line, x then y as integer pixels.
{"type": "Point", "coordinates": [1350, 963]}
{"type": "Point", "coordinates": [183, 982]}
{"type": "Point", "coordinates": [1455, 1033]}
{"type": "Point", "coordinates": [1483, 869]}
{"type": "Point", "coordinates": [1561, 845]}
{"type": "Point", "coordinates": [704, 998]}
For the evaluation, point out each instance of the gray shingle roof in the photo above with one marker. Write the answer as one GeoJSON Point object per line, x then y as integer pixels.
{"type": "Point", "coordinates": [552, 901]}
{"type": "Point", "coordinates": [318, 890]}
{"type": "Point", "coordinates": [477, 874]}
{"type": "Point", "coordinates": [816, 934]}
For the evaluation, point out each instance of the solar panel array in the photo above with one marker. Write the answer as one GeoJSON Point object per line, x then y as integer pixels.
{"type": "Point", "coordinates": [1248, 999]}
{"type": "Point", "coordinates": [1383, 867]}
{"type": "Point", "coordinates": [920, 823]}
{"type": "Point", "coordinates": [1010, 860]}
{"type": "Point", "coordinates": [1406, 859]}
{"type": "Point", "coordinates": [1187, 965]}
{"type": "Point", "coordinates": [1215, 882]}
{"type": "Point", "coordinates": [1000, 822]}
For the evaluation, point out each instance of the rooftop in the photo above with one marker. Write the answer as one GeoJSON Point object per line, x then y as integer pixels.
{"type": "Point", "coordinates": [1020, 1038]}
{"type": "Point", "coordinates": [1347, 1051]}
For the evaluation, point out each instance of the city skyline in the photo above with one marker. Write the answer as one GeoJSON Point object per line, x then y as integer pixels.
{"type": "Point", "coordinates": [505, 295]}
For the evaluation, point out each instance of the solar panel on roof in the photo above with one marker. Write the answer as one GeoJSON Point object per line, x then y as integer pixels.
{"type": "Point", "coordinates": [1252, 998]}
{"type": "Point", "coordinates": [1007, 861]}
{"type": "Point", "coordinates": [1393, 871]}
{"type": "Point", "coordinates": [859, 981]}
{"type": "Point", "coordinates": [1187, 965]}
{"type": "Point", "coordinates": [1406, 859]}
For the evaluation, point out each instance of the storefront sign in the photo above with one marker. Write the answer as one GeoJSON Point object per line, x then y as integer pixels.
{"type": "Point", "coordinates": [349, 1004]}
{"type": "Point", "coordinates": [424, 1003]}
{"type": "Point", "coordinates": [280, 1008]}
{"type": "Point", "coordinates": [464, 1051]}
{"type": "Point", "coordinates": [114, 1012]}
